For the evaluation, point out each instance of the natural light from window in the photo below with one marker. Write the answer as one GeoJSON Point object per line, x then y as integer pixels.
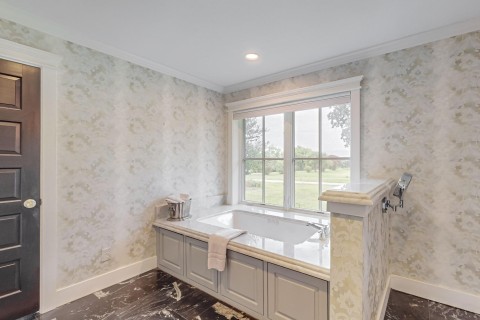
{"type": "Point", "coordinates": [326, 129]}
{"type": "Point", "coordinates": [294, 145]}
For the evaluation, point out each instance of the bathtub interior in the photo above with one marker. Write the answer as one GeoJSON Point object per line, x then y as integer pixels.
{"type": "Point", "coordinates": [272, 227]}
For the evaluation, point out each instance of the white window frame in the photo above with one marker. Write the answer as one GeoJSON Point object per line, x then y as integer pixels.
{"type": "Point", "coordinates": [268, 104]}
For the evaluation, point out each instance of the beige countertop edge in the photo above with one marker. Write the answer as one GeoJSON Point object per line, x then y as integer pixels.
{"type": "Point", "coordinates": [282, 261]}
{"type": "Point", "coordinates": [368, 198]}
{"type": "Point", "coordinates": [342, 199]}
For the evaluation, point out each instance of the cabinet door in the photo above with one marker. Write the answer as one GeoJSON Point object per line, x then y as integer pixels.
{"type": "Point", "coordinates": [197, 267]}
{"type": "Point", "coordinates": [170, 252]}
{"type": "Point", "coordinates": [242, 281]}
{"type": "Point", "coordinates": [294, 295]}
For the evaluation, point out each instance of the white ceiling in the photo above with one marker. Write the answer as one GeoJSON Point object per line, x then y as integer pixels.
{"type": "Point", "coordinates": [204, 42]}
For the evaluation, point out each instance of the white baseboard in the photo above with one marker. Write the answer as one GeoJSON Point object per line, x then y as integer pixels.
{"type": "Point", "coordinates": [454, 298]}
{"type": "Point", "coordinates": [78, 290]}
{"type": "Point", "coordinates": [384, 301]}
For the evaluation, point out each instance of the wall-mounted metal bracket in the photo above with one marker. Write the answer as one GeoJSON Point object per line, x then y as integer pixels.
{"type": "Point", "coordinates": [386, 204]}
{"type": "Point", "coordinates": [400, 188]}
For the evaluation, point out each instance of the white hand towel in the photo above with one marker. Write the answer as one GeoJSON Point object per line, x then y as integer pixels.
{"type": "Point", "coordinates": [217, 247]}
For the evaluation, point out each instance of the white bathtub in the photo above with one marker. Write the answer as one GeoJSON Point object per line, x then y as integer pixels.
{"type": "Point", "coordinates": [276, 228]}
{"type": "Point", "coordinates": [275, 236]}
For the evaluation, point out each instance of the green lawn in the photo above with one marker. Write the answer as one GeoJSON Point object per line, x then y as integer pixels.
{"type": "Point", "coordinates": [306, 187]}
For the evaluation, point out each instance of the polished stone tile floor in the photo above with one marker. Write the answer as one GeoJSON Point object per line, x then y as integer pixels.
{"type": "Point", "coordinates": [152, 295]}
{"type": "Point", "coordinates": [158, 295]}
{"type": "Point", "coordinates": [404, 306]}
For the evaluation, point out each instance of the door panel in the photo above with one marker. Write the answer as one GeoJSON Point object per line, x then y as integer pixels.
{"type": "Point", "coordinates": [197, 264]}
{"type": "Point", "coordinates": [10, 184]}
{"type": "Point", "coordinates": [170, 251]}
{"type": "Point", "coordinates": [10, 141]}
{"type": "Point", "coordinates": [19, 181]}
{"type": "Point", "coordinates": [293, 295]}
{"type": "Point", "coordinates": [10, 272]}
{"type": "Point", "coordinates": [242, 281]}
{"type": "Point", "coordinates": [11, 226]}
{"type": "Point", "coordinates": [10, 91]}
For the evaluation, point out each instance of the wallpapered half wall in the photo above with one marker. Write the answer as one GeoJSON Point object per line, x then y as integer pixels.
{"type": "Point", "coordinates": [127, 137]}
{"type": "Point", "coordinates": [421, 114]}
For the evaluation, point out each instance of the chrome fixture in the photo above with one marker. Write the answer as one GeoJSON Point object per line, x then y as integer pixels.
{"type": "Point", "coordinates": [400, 188]}
{"type": "Point", "coordinates": [323, 229]}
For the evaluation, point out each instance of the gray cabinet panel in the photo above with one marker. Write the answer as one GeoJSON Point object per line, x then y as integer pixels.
{"type": "Point", "coordinates": [293, 295]}
{"type": "Point", "coordinates": [170, 250]}
{"type": "Point", "coordinates": [197, 270]}
{"type": "Point", "coordinates": [242, 281]}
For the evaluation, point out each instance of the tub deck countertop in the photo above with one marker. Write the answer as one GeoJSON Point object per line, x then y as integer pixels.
{"type": "Point", "coordinates": [311, 256]}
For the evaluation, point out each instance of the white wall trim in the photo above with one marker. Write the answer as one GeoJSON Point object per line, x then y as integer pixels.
{"type": "Point", "coordinates": [86, 287]}
{"type": "Point", "coordinates": [290, 96]}
{"type": "Point", "coordinates": [383, 48]}
{"type": "Point", "coordinates": [11, 13]}
{"type": "Point", "coordinates": [48, 63]}
{"type": "Point", "coordinates": [384, 301]}
{"type": "Point", "coordinates": [454, 298]}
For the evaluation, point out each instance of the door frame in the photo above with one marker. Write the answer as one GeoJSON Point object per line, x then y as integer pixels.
{"type": "Point", "coordinates": [48, 63]}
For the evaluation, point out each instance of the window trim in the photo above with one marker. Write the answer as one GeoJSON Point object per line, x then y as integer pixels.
{"type": "Point", "coordinates": [317, 92]}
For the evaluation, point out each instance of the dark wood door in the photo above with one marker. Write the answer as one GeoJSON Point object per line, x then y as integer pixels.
{"type": "Point", "coordinates": [19, 182]}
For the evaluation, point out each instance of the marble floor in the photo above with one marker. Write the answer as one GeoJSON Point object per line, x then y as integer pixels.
{"type": "Point", "coordinates": [158, 295]}
{"type": "Point", "coordinates": [152, 295]}
{"type": "Point", "coordinates": [404, 306]}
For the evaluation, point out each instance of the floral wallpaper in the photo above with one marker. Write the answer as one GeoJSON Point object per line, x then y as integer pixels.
{"type": "Point", "coordinates": [421, 114]}
{"type": "Point", "coordinates": [376, 263]}
{"type": "Point", "coordinates": [347, 265]}
{"type": "Point", "coordinates": [127, 138]}
{"type": "Point", "coordinates": [359, 264]}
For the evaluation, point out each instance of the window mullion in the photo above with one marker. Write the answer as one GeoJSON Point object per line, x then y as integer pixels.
{"type": "Point", "coordinates": [288, 164]}
{"type": "Point", "coordinates": [243, 162]}
{"type": "Point", "coordinates": [263, 159]}
{"type": "Point", "coordinates": [320, 156]}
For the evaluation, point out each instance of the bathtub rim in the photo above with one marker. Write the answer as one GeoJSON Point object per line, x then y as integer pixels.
{"type": "Point", "coordinates": [278, 259]}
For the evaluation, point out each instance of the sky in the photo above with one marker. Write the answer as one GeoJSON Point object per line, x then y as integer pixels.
{"type": "Point", "coordinates": [306, 132]}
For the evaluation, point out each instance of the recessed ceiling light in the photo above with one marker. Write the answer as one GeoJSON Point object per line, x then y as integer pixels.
{"type": "Point", "coordinates": [251, 56]}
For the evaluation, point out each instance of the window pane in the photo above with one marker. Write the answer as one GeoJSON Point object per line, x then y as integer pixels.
{"type": "Point", "coordinates": [253, 137]}
{"type": "Point", "coordinates": [336, 131]}
{"type": "Point", "coordinates": [306, 134]}
{"type": "Point", "coordinates": [274, 182]}
{"type": "Point", "coordinates": [307, 184]}
{"type": "Point", "coordinates": [335, 173]}
{"type": "Point", "coordinates": [274, 136]}
{"type": "Point", "coordinates": [253, 180]}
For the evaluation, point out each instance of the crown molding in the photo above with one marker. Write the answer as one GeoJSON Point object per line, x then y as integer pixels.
{"type": "Point", "coordinates": [11, 13]}
{"type": "Point", "coordinates": [387, 47]}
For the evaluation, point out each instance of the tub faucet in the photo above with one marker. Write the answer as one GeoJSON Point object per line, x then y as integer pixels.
{"type": "Point", "coordinates": [323, 229]}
